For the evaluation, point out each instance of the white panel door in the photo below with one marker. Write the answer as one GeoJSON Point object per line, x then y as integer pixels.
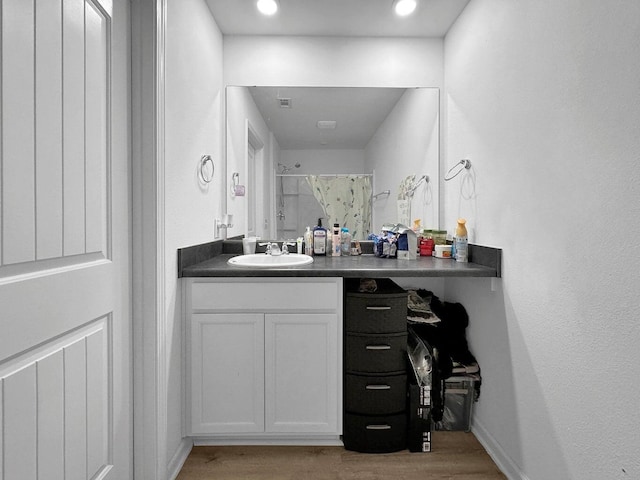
{"type": "Point", "coordinates": [302, 377]}
{"type": "Point", "coordinates": [65, 301]}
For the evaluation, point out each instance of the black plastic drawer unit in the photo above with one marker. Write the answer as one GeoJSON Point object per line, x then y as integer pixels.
{"type": "Point", "coordinates": [375, 359]}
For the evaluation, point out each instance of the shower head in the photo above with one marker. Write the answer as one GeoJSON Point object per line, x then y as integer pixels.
{"type": "Point", "coordinates": [287, 168]}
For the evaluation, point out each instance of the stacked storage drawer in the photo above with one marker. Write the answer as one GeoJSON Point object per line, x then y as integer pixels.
{"type": "Point", "coordinates": [375, 417]}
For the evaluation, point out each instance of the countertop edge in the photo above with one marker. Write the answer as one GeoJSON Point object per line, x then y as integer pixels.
{"type": "Point", "coordinates": [353, 267]}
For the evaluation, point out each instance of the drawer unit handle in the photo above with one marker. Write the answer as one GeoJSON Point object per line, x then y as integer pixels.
{"type": "Point", "coordinates": [378, 427]}
{"type": "Point", "coordinates": [378, 387]}
{"type": "Point", "coordinates": [378, 347]}
{"type": "Point", "coordinates": [378, 308]}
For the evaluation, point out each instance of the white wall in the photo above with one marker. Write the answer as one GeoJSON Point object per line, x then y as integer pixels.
{"type": "Point", "coordinates": [407, 144]}
{"type": "Point", "coordinates": [543, 97]}
{"type": "Point", "coordinates": [194, 126]}
{"type": "Point", "coordinates": [332, 61]}
{"type": "Point", "coordinates": [241, 108]}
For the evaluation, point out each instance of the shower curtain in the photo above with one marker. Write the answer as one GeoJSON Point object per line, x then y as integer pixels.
{"type": "Point", "coordinates": [346, 200]}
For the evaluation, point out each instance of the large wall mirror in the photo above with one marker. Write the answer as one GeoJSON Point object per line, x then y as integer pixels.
{"type": "Point", "coordinates": [359, 156]}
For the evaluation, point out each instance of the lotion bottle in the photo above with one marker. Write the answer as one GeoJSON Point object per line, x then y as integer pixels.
{"type": "Point", "coordinates": [319, 239]}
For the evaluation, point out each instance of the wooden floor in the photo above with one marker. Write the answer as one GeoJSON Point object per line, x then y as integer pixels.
{"type": "Point", "coordinates": [455, 455]}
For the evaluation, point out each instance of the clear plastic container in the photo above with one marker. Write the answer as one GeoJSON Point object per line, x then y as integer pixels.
{"type": "Point", "coordinates": [345, 242]}
{"type": "Point", "coordinates": [439, 237]}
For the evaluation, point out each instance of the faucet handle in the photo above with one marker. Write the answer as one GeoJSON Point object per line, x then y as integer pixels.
{"type": "Point", "coordinates": [285, 246]}
{"type": "Point", "coordinates": [268, 250]}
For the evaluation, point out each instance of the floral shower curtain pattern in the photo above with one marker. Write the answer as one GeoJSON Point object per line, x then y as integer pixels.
{"type": "Point", "coordinates": [346, 200]}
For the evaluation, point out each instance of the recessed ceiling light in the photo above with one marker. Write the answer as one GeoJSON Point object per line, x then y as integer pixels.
{"type": "Point", "coordinates": [267, 7]}
{"type": "Point", "coordinates": [404, 7]}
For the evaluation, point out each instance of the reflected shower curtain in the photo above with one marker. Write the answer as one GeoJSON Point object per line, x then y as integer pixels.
{"type": "Point", "coordinates": [346, 200]}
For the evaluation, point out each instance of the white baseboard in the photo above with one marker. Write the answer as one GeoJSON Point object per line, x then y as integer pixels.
{"type": "Point", "coordinates": [497, 453]}
{"type": "Point", "coordinates": [179, 457]}
{"type": "Point", "coordinates": [321, 440]}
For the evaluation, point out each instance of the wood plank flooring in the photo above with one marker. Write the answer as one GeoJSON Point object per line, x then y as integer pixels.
{"type": "Point", "coordinates": [455, 455]}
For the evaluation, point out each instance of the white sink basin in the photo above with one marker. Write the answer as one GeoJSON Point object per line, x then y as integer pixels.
{"type": "Point", "coordinates": [260, 260]}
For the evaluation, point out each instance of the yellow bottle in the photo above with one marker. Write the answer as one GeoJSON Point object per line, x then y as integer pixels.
{"type": "Point", "coordinates": [460, 241]}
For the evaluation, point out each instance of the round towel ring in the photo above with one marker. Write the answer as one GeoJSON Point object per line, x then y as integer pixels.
{"type": "Point", "coordinates": [204, 175]}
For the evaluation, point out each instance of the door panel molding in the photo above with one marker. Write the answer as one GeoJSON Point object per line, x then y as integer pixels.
{"type": "Point", "coordinates": [58, 404]}
{"type": "Point", "coordinates": [55, 136]}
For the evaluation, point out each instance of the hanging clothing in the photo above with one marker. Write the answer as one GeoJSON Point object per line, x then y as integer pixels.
{"type": "Point", "coordinates": [345, 200]}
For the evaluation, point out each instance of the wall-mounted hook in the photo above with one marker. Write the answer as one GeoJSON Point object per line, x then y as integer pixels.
{"type": "Point", "coordinates": [237, 190]}
{"type": "Point", "coordinates": [383, 193]}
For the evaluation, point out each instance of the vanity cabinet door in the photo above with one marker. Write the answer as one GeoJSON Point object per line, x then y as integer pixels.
{"type": "Point", "coordinates": [227, 373]}
{"type": "Point", "coordinates": [302, 373]}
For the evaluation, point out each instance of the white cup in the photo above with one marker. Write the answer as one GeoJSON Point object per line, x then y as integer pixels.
{"type": "Point", "coordinates": [249, 245]}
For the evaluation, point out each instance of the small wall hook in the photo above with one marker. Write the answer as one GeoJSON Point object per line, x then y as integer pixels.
{"type": "Point", "coordinates": [236, 188]}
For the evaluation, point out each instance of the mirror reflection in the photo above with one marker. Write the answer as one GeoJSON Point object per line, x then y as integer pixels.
{"type": "Point", "coordinates": [353, 156]}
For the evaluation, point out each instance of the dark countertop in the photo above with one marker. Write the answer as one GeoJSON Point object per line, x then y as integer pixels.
{"type": "Point", "coordinates": [361, 266]}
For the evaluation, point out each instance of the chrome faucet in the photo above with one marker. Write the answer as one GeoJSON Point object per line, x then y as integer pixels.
{"type": "Point", "coordinates": [272, 248]}
{"type": "Point", "coordinates": [275, 249]}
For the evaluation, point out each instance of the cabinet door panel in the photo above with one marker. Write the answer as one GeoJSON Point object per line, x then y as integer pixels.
{"type": "Point", "coordinates": [227, 373]}
{"type": "Point", "coordinates": [302, 382]}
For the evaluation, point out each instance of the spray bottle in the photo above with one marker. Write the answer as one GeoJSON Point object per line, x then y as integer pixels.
{"type": "Point", "coordinates": [460, 241]}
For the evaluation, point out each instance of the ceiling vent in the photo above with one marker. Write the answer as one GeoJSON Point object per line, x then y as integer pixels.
{"type": "Point", "coordinates": [327, 124]}
{"type": "Point", "coordinates": [284, 102]}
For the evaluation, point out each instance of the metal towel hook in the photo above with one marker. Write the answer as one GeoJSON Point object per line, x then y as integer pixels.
{"type": "Point", "coordinates": [464, 164]}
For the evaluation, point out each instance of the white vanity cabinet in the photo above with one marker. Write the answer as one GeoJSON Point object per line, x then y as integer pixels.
{"type": "Point", "coordinates": [264, 359]}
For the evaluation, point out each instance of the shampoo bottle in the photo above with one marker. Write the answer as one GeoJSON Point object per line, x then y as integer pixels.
{"type": "Point", "coordinates": [319, 239]}
{"type": "Point", "coordinates": [335, 241]}
{"type": "Point", "coordinates": [460, 241]}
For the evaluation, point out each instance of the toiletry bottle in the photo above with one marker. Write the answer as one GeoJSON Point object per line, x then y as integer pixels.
{"type": "Point", "coordinates": [460, 241]}
{"type": "Point", "coordinates": [319, 239]}
{"type": "Point", "coordinates": [345, 242]}
{"type": "Point", "coordinates": [335, 241]}
{"type": "Point", "coordinates": [308, 242]}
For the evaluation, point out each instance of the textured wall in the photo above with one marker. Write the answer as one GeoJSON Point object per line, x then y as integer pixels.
{"type": "Point", "coordinates": [544, 98]}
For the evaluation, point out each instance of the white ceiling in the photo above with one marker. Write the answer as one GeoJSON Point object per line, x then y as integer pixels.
{"type": "Point", "coordinates": [359, 18]}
